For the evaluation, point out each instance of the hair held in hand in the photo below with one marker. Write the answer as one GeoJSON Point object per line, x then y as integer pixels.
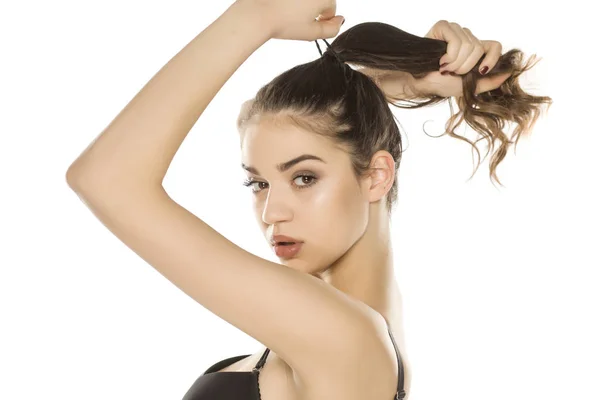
{"type": "Point", "coordinates": [333, 99]}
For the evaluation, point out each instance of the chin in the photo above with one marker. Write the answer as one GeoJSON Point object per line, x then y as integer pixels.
{"type": "Point", "coordinates": [302, 267]}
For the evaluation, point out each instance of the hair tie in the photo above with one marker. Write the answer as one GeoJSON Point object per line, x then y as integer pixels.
{"type": "Point", "coordinates": [329, 51]}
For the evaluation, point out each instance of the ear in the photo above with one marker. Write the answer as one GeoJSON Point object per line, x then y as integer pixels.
{"type": "Point", "coordinates": [381, 176]}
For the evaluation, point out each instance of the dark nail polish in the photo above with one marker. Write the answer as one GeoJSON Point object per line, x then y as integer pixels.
{"type": "Point", "coordinates": [344, 20]}
{"type": "Point", "coordinates": [445, 72]}
{"type": "Point", "coordinates": [484, 70]}
{"type": "Point", "coordinates": [443, 65]}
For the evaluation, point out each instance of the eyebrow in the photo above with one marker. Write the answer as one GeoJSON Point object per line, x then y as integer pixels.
{"type": "Point", "coordinates": [286, 165]}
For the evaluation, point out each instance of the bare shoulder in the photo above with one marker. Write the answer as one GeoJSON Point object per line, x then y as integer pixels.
{"type": "Point", "coordinates": [368, 371]}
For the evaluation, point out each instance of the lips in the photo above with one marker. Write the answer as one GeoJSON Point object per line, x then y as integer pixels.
{"type": "Point", "coordinates": [283, 239]}
{"type": "Point", "coordinates": [286, 246]}
{"type": "Point", "coordinates": [287, 250]}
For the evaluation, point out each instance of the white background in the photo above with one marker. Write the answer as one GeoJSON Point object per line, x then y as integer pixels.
{"type": "Point", "coordinates": [500, 284]}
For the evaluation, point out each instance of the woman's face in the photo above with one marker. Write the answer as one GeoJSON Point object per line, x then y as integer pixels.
{"type": "Point", "coordinates": [317, 202]}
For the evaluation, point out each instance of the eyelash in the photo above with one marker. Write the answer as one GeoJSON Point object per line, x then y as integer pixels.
{"type": "Point", "coordinates": [250, 181]}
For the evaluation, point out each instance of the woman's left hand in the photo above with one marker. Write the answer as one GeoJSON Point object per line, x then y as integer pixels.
{"type": "Point", "coordinates": [463, 53]}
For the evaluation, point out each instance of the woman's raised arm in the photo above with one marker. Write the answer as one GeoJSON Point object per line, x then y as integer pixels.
{"type": "Point", "coordinates": [140, 143]}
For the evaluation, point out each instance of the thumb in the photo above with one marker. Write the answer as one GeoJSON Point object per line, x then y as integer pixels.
{"type": "Point", "coordinates": [325, 29]}
{"type": "Point", "coordinates": [490, 83]}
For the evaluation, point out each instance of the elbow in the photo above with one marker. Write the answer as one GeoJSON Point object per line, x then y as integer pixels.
{"type": "Point", "coordinates": [75, 178]}
{"type": "Point", "coordinates": [71, 177]}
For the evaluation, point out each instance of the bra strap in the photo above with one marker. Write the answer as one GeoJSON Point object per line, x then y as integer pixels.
{"type": "Point", "coordinates": [400, 393]}
{"type": "Point", "coordinates": [262, 361]}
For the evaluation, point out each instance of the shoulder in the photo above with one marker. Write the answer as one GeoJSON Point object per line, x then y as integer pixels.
{"type": "Point", "coordinates": [367, 370]}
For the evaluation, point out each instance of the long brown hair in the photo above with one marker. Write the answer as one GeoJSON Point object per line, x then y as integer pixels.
{"type": "Point", "coordinates": [330, 98]}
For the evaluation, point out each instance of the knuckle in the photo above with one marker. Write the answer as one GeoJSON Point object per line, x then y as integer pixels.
{"type": "Point", "coordinates": [459, 69]}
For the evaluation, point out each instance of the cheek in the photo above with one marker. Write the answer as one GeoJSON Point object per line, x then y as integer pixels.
{"type": "Point", "coordinates": [337, 216]}
{"type": "Point", "coordinates": [333, 235]}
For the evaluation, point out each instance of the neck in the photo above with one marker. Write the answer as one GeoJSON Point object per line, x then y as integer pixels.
{"type": "Point", "coordinates": [366, 271]}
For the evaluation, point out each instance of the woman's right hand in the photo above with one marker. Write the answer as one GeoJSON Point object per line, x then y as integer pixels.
{"type": "Point", "coordinates": [463, 53]}
{"type": "Point", "coordinates": [464, 49]}
{"type": "Point", "coordinates": [298, 19]}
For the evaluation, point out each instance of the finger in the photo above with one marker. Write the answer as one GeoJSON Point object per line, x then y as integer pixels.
{"type": "Point", "coordinates": [464, 50]}
{"type": "Point", "coordinates": [327, 13]}
{"type": "Point", "coordinates": [435, 31]}
{"type": "Point", "coordinates": [493, 52]}
{"type": "Point", "coordinates": [325, 29]}
{"type": "Point", "coordinates": [442, 31]}
{"type": "Point", "coordinates": [475, 55]}
{"type": "Point", "coordinates": [490, 83]}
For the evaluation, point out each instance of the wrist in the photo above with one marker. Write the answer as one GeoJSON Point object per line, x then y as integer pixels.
{"type": "Point", "coordinates": [397, 84]}
{"type": "Point", "coordinates": [253, 13]}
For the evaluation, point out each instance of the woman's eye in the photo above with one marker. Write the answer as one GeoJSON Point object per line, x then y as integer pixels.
{"type": "Point", "coordinates": [301, 182]}
{"type": "Point", "coordinates": [251, 182]}
{"type": "Point", "coordinates": [258, 188]}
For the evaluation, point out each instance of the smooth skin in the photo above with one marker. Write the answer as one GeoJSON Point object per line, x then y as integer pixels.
{"type": "Point", "coordinates": [327, 339]}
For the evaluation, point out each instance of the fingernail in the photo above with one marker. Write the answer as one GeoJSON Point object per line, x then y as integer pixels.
{"type": "Point", "coordinates": [483, 70]}
{"type": "Point", "coordinates": [344, 20]}
{"type": "Point", "coordinates": [445, 72]}
{"type": "Point", "coordinates": [443, 65]}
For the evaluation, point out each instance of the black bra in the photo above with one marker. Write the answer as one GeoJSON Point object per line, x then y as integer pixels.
{"type": "Point", "coordinates": [215, 384]}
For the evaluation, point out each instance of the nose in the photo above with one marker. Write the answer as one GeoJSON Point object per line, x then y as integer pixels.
{"type": "Point", "coordinates": [277, 207]}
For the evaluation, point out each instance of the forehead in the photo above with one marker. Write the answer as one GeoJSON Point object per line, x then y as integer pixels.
{"type": "Point", "coordinates": [279, 139]}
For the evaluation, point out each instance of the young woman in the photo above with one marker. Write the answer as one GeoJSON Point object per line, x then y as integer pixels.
{"type": "Point", "coordinates": [321, 149]}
